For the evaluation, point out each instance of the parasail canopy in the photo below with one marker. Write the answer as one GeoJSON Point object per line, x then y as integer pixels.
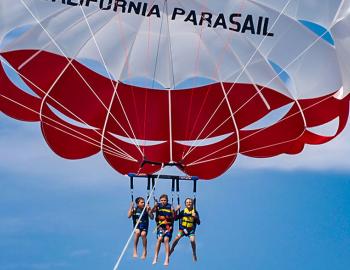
{"type": "Point", "coordinates": [195, 83]}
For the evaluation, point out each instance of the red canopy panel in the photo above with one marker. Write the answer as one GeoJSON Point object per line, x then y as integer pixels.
{"type": "Point", "coordinates": [16, 103]}
{"type": "Point", "coordinates": [202, 128]}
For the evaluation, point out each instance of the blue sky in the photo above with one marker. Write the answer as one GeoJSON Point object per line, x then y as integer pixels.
{"type": "Point", "coordinates": [290, 212]}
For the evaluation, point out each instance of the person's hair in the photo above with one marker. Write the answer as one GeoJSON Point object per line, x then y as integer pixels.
{"type": "Point", "coordinates": [188, 199]}
{"type": "Point", "coordinates": [164, 196]}
{"type": "Point", "coordinates": [138, 199]}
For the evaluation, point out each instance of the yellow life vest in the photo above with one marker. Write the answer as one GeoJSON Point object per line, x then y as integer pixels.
{"type": "Point", "coordinates": [187, 221]}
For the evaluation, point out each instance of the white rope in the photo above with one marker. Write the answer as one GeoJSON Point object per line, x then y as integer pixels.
{"type": "Point", "coordinates": [233, 119]}
{"type": "Point", "coordinates": [239, 75]}
{"type": "Point", "coordinates": [115, 88]}
{"type": "Point", "coordinates": [61, 105]}
{"type": "Point", "coordinates": [276, 76]}
{"type": "Point", "coordinates": [42, 49]}
{"type": "Point", "coordinates": [201, 160]}
{"type": "Point", "coordinates": [109, 150]}
{"type": "Point", "coordinates": [43, 101]}
{"type": "Point", "coordinates": [171, 62]}
{"type": "Point", "coordinates": [80, 75]}
{"type": "Point", "coordinates": [138, 221]}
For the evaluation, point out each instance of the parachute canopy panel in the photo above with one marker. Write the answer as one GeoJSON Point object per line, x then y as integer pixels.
{"type": "Point", "coordinates": [190, 82]}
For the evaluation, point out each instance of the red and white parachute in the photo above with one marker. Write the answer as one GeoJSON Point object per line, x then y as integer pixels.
{"type": "Point", "coordinates": [189, 82]}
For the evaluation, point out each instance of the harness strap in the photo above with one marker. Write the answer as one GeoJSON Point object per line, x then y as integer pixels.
{"type": "Point", "coordinates": [132, 188]}
{"type": "Point", "coordinates": [148, 186]}
{"type": "Point", "coordinates": [194, 193]}
{"type": "Point", "coordinates": [153, 178]}
{"type": "Point", "coordinates": [172, 190]}
{"type": "Point", "coordinates": [178, 190]}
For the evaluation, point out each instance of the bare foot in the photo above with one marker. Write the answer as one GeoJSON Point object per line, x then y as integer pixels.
{"type": "Point", "coordinates": [144, 255]}
{"type": "Point", "coordinates": [134, 255]}
{"type": "Point", "coordinates": [155, 260]}
{"type": "Point", "coordinates": [166, 262]}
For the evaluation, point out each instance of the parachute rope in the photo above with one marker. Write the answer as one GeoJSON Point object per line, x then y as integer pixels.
{"type": "Point", "coordinates": [264, 87]}
{"type": "Point", "coordinates": [233, 119]}
{"type": "Point", "coordinates": [138, 220]}
{"type": "Point", "coordinates": [56, 36]}
{"type": "Point", "coordinates": [129, 157]}
{"type": "Point", "coordinates": [251, 98]}
{"type": "Point", "coordinates": [169, 91]}
{"type": "Point", "coordinates": [204, 7]}
{"type": "Point", "coordinates": [110, 151]}
{"type": "Point", "coordinates": [81, 76]}
{"type": "Point", "coordinates": [165, 9]}
{"type": "Point", "coordinates": [283, 69]}
{"type": "Point", "coordinates": [51, 87]}
{"type": "Point", "coordinates": [201, 160]}
{"type": "Point", "coordinates": [239, 75]}
{"type": "Point", "coordinates": [115, 92]}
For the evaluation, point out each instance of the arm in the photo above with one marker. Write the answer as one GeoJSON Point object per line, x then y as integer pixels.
{"type": "Point", "coordinates": [155, 207]}
{"type": "Point", "coordinates": [131, 210]}
{"type": "Point", "coordinates": [149, 212]}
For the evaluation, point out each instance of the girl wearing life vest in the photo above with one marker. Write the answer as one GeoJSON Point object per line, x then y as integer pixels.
{"type": "Point", "coordinates": [188, 220]}
{"type": "Point", "coordinates": [142, 227]}
{"type": "Point", "coordinates": [165, 220]}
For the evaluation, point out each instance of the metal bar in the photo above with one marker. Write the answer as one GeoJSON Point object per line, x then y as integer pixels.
{"type": "Point", "coordinates": [162, 176]}
{"type": "Point", "coordinates": [168, 164]}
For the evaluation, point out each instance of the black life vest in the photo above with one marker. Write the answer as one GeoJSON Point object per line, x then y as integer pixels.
{"type": "Point", "coordinates": [136, 215]}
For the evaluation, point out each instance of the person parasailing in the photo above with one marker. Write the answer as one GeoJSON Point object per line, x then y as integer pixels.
{"type": "Point", "coordinates": [165, 215]}
{"type": "Point", "coordinates": [142, 227]}
{"type": "Point", "coordinates": [188, 221]}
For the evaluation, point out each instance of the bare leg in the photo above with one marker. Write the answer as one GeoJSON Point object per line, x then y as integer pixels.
{"type": "Point", "coordinates": [177, 239]}
{"type": "Point", "coordinates": [144, 244]}
{"type": "Point", "coordinates": [193, 244]}
{"type": "Point", "coordinates": [159, 241]}
{"type": "Point", "coordinates": [136, 240]}
{"type": "Point", "coordinates": [167, 250]}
